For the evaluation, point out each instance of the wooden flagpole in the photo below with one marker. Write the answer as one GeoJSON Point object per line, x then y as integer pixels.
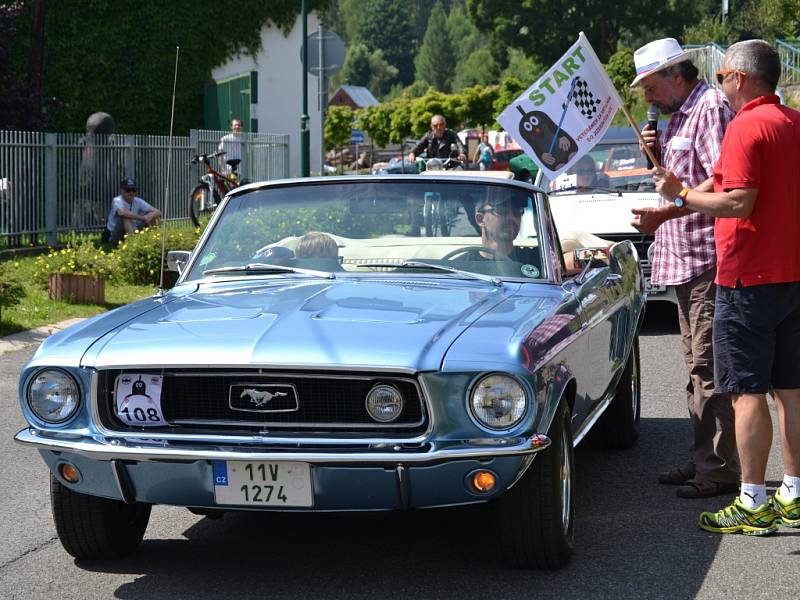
{"type": "Point", "coordinates": [633, 125]}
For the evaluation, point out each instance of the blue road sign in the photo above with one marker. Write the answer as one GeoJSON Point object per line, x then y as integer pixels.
{"type": "Point", "coordinates": [356, 136]}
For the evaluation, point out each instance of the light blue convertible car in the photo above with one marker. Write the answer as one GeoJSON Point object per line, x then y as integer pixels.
{"type": "Point", "coordinates": [362, 343]}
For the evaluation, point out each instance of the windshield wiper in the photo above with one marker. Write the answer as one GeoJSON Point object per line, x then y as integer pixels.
{"type": "Point", "coordinates": [413, 264]}
{"type": "Point", "coordinates": [265, 268]}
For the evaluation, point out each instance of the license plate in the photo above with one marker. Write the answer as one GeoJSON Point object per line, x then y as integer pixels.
{"type": "Point", "coordinates": [244, 483]}
{"type": "Point", "coordinates": [653, 289]}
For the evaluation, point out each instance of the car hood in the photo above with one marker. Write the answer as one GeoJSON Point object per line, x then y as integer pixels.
{"type": "Point", "coordinates": [345, 323]}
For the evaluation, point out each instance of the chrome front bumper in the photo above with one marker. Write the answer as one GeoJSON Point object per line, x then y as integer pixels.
{"type": "Point", "coordinates": [109, 448]}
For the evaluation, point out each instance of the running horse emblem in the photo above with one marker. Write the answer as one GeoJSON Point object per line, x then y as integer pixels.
{"type": "Point", "coordinates": [260, 397]}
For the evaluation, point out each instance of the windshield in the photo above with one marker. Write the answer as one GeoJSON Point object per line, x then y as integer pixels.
{"type": "Point", "coordinates": [455, 229]}
{"type": "Point", "coordinates": [617, 166]}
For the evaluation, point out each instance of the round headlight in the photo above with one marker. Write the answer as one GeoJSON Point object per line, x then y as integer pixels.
{"type": "Point", "coordinates": [498, 402]}
{"type": "Point", "coordinates": [53, 396]}
{"type": "Point", "coordinates": [384, 403]}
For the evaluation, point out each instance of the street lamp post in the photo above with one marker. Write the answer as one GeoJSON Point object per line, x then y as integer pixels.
{"type": "Point", "coordinates": [305, 134]}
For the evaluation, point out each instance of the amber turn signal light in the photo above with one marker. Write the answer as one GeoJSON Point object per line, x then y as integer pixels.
{"type": "Point", "coordinates": [69, 472]}
{"type": "Point", "coordinates": [484, 481]}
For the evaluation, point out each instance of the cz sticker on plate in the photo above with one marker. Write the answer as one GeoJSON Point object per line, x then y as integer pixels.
{"type": "Point", "coordinates": [246, 483]}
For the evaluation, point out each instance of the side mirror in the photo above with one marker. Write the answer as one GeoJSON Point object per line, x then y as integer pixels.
{"type": "Point", "coordinates": [177, 259]}
{"type": "Point", "coordinates": [589, 258]}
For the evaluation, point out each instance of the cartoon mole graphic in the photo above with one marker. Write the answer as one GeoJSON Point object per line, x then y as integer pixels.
{"type": "Point", "coordinates": [538, 130]}
{"type": "Point", "coordinates": [139, 389]}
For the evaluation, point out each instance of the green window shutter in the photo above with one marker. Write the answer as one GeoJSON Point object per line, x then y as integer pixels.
{"type": "Point", "coordinates": [233, 100]}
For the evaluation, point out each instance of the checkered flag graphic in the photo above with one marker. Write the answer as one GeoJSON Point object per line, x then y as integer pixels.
{"type": "Point", "coordinates": [584, 99]}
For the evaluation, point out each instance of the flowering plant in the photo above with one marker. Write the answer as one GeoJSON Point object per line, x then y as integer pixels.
{"type": "Point", "coordinates": [81, 259]}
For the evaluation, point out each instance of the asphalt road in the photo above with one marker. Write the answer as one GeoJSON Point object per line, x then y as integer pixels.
{"type": "Point", "coordinates": [635, 538]}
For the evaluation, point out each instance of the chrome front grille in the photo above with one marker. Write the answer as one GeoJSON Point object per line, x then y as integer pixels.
{"type": "Point", "coordinates": [202, 401]}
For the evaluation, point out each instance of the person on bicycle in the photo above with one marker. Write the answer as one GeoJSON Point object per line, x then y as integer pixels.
{"type": "Point", "coordinates": [232, 144]}
{"type": "Point", "coordinates": [438, 142]}
{"type": "Point", "coordinates": [129, 213]}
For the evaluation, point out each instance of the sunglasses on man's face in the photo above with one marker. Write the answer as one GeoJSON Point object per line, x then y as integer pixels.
{"type": "Point", "coordinates": [129, 190]}
{"type": "Point", "coordinates": [722, 74]}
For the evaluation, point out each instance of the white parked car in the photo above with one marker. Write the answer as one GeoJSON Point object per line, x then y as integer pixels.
{"type": "Point", "coordinates": [599, 191]}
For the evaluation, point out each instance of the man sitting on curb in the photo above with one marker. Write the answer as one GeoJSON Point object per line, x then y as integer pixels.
{"type": "Point", "coordinates": [129, 213]}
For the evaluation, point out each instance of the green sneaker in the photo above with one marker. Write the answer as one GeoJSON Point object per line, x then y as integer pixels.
{"type": "Point", "coordinates": [788, 510]}
{"type": "Point", "coordinates": [736, 518]}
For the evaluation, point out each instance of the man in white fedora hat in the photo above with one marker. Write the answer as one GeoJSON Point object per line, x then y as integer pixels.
{"type": "Point", "coordinates": [684, 254]}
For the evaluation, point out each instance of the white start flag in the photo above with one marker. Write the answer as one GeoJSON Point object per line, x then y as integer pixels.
{"type": "Point", "coordinates": [560, 117]}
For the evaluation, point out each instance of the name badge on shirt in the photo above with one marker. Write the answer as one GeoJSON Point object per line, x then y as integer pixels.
{"type": "Point", "coordinates": [681, 143]}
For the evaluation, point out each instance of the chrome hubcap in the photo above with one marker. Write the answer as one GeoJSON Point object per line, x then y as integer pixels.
{"type": "Point", "coordinates": [566, 479]}
{"type": "Point", "coordinates": [634, 387]}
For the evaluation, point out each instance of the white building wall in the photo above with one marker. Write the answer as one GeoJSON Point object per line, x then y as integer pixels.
{"type": "Point", "coordinates": [280, 89]}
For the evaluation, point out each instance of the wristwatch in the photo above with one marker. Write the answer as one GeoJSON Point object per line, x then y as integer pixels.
{"type": "Point", "coordinates": [680, 199]}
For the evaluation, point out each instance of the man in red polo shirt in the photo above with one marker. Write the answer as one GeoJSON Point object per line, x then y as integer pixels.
{"type": "Point", "coordinates": [756, 203]}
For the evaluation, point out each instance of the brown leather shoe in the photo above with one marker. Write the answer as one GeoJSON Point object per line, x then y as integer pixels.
{"type": "Point", "coordinates": [696, 488]}
{"type": "Point", "coordinates": [677, 476]}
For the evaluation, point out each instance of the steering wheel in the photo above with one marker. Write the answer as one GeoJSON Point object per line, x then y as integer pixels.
{"type": "Point", "coordinates": [463, 253]}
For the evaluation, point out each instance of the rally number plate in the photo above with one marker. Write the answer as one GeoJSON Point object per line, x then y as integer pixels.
{"type": "Point", "coordinates": [244, 483]}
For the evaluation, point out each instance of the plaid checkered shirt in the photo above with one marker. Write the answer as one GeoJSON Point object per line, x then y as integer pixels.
{"type": "Point", "coordinates": [684, 247]}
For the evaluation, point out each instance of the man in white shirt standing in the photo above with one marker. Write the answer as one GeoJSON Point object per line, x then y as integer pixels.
{"type": "Point", "coordinates": [232, 144]}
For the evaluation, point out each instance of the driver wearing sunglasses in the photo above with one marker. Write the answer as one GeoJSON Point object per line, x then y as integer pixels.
{"type": "Point", "coordinates": [499, 222]}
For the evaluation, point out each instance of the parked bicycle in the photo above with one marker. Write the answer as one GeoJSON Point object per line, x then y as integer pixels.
{"type": "Point", "coordinates": [213, 186]}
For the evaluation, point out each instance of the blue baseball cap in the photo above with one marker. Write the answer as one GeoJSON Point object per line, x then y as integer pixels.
{"type": "Point", "coordinates": [127, 184]}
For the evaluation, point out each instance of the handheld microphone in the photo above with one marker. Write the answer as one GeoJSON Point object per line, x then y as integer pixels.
{"type": "Point", "coordinates": [652, 121]}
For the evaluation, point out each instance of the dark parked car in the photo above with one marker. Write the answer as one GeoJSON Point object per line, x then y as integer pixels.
{"type": "Point", "coordinates": [315, 355]}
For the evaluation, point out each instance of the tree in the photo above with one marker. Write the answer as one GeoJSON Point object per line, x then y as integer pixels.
{"type": "Point", "coordinates": [15, 96]}
{"type": "Point", "coordinates": [118, 55]}
{"type": "Point", "coordinates": [434, 102]}
{"type": "Point", "coordinates": [522, 67]}
{"type": "Point", "coordinates": [338, 125]}
{"type": "Point", "coordinates": [464, 36]}
{"type": "Point", "coordinates": [370, 70]}
{"type": "Point", "coordinates": [387, 25]}
{"type": "Point", "coordinates": [544, 29]}
{"type": "Point", "coordinates": [356, 68]}
{"type": "Point", "coordinates": [436, 56]}
{"type": "Point", "coordinates": [479, 68]}
{"type": "Point", "coordinates": [765, 19]}
{"type": "Point", "coordinates": [621, 71]}
{"type": "Point", "coordinates": [479, 105]}
{"type": "Point", "coordinates": [508, 91]}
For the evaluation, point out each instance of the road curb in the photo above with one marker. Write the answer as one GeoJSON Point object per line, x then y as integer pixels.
{"type": "Point", "coordinates": [23, 339]}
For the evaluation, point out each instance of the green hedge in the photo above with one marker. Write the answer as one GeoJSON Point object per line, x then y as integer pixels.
{"type": "Point", "coordinates": [138, 257]}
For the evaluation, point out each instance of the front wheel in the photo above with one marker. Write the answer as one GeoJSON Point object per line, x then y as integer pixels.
{"type": "Point", "coordinates": [620, 422]}
{"type": "Point", "coordinates": [536, 517]}
{"type": "Point", "coordinates": [91, 527]}
{"type": "Point", "coordinates": [201, 204]}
